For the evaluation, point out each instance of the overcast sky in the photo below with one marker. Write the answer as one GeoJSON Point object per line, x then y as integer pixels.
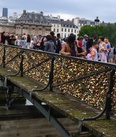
{"type": "Point", "coordinates": [89, 9]}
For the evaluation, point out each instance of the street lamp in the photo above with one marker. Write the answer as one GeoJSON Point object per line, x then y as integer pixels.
{"type": "Point", "coordinates": [21, 29]}
{"type": "Point", "coordinates": [96, 24]}
{"type": "Point", "coordinates": [96, 21]}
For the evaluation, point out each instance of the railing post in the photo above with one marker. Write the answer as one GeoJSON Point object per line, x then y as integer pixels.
{"type": "Point", "coordinates": [4, 57]}
{"type": "Point", "coordinates": [108, 96]}
{"type": "Point", "coordinates": [21, 65]}
{"type": "Point", "coordinates": [51, 74]}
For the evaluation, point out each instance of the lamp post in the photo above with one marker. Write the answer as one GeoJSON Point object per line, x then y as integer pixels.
{"type": "Point", "coordinates": [97, 21]}
{"type": "Point", "coordinates": [96, 24]}
{"type": "Point", "coordinates": [21, 29]}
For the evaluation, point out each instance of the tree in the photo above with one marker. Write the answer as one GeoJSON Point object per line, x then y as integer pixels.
{"type": "Point", "coordinates": [92, 30]}
{"type": "Point", "coordinates": [106, 30]}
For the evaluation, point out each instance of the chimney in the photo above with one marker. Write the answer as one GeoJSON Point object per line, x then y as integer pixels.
{"type": "Point", "coordinates": [24, 11]}
{"type": "Point", "coordinates": [41, 12]}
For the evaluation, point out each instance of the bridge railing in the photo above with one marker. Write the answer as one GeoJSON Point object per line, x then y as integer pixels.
{"type": "Point", "coordinates": [93, 83]}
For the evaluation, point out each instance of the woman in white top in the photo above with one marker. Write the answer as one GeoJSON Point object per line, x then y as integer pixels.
{"type": "Point", "coordinates": [102, 49]}
{"type": "Point", "coordinates": [31, 44]}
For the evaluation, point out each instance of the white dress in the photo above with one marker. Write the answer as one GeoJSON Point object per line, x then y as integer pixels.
{"type": "Point", "coordinates": [103, 57]}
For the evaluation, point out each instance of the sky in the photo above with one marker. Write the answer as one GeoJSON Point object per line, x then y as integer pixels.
{"type": "Point", "coordinates": [67, 9]}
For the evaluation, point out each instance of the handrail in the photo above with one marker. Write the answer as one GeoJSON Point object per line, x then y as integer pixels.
{"type": "Point", "coordinates": [70, 57]}
{"type": "Point", "coordinates": [55, 59]}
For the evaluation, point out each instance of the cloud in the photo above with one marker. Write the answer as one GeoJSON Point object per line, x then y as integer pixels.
{"type": "Point", "coordinates": [104, 9]}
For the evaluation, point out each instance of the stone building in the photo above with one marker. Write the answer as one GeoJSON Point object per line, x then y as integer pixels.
{"type": "Point", "coordinates": [7, 27]}
{"type": "Point", "coordinates": [63, 27]}
{"type": "Point", "coordinates": [32, 23]}
{"type": "Point", "coordinates": [82, 22]}
{"type": "Point", "coordinates": [55, 24]}
{"type": "Point", "coordinates": [68, 27]}
{"type": "Point", "coordinates": [38, 24]}
{"type": "Point", "coordinates": [28, 23]}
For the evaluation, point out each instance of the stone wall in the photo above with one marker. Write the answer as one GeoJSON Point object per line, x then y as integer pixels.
{"type": "Point", "coordinates": [26, 28]}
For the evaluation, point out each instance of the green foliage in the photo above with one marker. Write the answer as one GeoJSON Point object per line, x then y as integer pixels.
{"type": "Point", "coordinates": [108, 31]}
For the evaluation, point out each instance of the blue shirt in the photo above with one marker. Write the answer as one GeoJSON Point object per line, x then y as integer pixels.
{"type": "Point", "coordinates": [84, 42]}
{"type": "Point", "coordinates": [23, 43]}
{"type": "Point", "coordinates": [108, 46]}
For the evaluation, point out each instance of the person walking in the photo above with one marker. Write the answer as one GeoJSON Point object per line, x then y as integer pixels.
{"type": "Point", "coordinates": [58, 43]}
{"type": "Point", "coordinates": [49, 44]}
{"type": "Point", "coordinates": [109, 54]}
{"type": "Point", "coordinates": [102, 49]}
{"type": "Point", "coordinates": [23, 42]}
{"type": "Point", "coordinates": [94, 53]}
{"type": "Point", "coordinates": [69, 48]}
{"type": "Point", "coordinates": [3, 37]}
{"type": "Point", "coordinates": [28, 41]}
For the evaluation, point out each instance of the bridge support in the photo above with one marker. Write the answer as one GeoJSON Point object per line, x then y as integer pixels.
{"type": "Point", "coordinates": [47, 113]}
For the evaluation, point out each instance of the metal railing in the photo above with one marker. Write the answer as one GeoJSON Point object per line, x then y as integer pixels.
{"type": "Point", "coordinates": [91, 82]}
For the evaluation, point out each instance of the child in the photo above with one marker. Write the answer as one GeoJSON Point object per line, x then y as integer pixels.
{"type": "Point", "coordinates": [88, 57]}
{"type": "Point", "coordinates": [94, 53]}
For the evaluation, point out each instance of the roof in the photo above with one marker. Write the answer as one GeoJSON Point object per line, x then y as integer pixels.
{"type": "Point", "coordinates": [52, 19]}
{"type": "Point", "coordinates": [67, 23]}
{"type": "Point", "coordinates": [32, 17]}
{"type": "Point", "coordinates": [39, 18]}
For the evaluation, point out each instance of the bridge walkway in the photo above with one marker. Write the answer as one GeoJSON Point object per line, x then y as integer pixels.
{"type": "Point", "coordinates": [67, 106]}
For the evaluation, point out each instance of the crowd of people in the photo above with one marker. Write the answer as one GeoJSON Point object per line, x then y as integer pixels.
{"type": "Point", "coordinates": [48, 43]}
{"type": "Point", "coordinates": [83, 46]}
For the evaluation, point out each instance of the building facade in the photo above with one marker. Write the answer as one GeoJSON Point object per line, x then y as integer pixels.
{"type": "Point", "coordinates": [28, 23]}
{"type": "Point", "coordinates": [68, 27]}
{"type": "Point", "coordinates": [33, 24]}
{"type": "Point", "coordinates": [82, 22]}
{"type": "Point", "coordinates": [38, 24]}
{"type": "Point", "coordinates": [63, 27]}
{"type": "Point", "coordinates": [9, 28]}
{"type": "Point", "coordinates": [5, 12]}
{"type": "Point", "coordinates": [55, 24]}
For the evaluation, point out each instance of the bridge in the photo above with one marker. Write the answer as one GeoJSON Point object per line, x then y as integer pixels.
{"type": "Point", "coordinates": [82, 90]}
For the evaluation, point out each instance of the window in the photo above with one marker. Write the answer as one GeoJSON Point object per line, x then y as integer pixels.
{"type": "Point", "coordinates": [57, 30]}
{"type": "Point", "coordinates": [62, 29]}
{"type": "Point", "coordinates": [72, 30]}
{"type": "Point", "coordinates": [68, 30]}
{"type": "Point", "coordinates": [65, 30]}
{"type": "Point", "coordinates": [36, 17]}
{"type": "Point", "coordinates": [30, 17]}
{"type": "Point", "coordinates": [41, 18]}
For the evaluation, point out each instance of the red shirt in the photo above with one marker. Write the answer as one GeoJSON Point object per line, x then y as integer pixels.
{"type": "Point", "coordinates": [79, 43]}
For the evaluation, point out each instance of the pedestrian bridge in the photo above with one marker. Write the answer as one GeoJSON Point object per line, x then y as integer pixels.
{"type": "Point", "coordinates": [84, 91]}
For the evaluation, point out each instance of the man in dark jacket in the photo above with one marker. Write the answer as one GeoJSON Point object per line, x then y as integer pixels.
{"type": "Point", "coordinates": [49, 44]}
{"type": "Point", "coordinates": [3, 38]}
{"type": "Point", "coordinates": [53, 37]}
{"type": "Point", "coordinates": [58, 43]}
